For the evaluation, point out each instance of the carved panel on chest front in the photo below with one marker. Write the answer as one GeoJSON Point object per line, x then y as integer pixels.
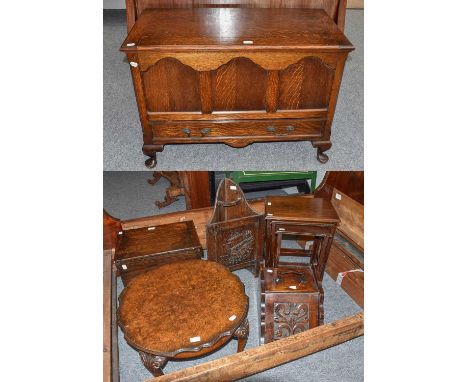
{"type": "Point", "coordinates": [171, 86]}
{"type": "Point", "coordinates": [239, 85]}
{"type": "Point", "coordinates": [290, 318]}
{"type": "Point", "coordinates": [306, 84]}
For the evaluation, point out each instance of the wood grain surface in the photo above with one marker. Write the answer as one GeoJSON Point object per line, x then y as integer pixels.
{"type": "Point", "coordinates": [299, 208]}
{"type": "Point", "coordinates": [276, 353]}
{"type": "Point", "coordinates": [228, 28]}
{"type": "Point", "coordinates": [164, 310]}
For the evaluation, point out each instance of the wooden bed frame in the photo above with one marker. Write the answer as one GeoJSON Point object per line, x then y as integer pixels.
{"type": "Point", "coordinates": [335, 8]}
{"type": "Point", "coordinates": [253, 360]}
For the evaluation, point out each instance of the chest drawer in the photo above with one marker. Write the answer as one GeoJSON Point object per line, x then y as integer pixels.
{"type": "Point", "coordinates": [238, 128]}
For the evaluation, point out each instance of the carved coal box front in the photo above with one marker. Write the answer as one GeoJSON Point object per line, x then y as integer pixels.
{"type": "Point", "coordinates": [291, 301]}
{"type": "Point", "coordinates": [234, 234]}
{"type": "Point", "coordinates": [139, 250]}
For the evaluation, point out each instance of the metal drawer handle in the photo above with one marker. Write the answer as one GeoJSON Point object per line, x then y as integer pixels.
{"type": "Point", "coordinates": [280, 275]}
{"type": "Point", "coordinates": [205, 131]}
{"type": "Point", "coordinates": [186, 131]}
{"type": "Point", "coordinates": [271, 129]}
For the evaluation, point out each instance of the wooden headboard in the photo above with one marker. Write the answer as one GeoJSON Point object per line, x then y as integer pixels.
{"type": "Point", "coordinates": [335, 8]}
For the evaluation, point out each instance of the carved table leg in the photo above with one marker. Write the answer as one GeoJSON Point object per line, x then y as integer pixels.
{"type": "Point", "coordinates": [156, 176]}
{"type": "Point", "coordinates": [242, 334]}
{"type": "Point", "coordinates": [168, 199]}
{"type": "Point", "coordinates": [321, 147]}
{"type": "Point", "coordinates": [173, 191]}
{"type": "Point", "coordinates": [154, 363]}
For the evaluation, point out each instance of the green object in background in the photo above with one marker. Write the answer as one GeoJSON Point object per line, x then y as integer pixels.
{"type": "Point", "coordinates": [267, 176]}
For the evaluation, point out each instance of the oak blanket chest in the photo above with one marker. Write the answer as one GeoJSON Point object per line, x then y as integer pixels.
{"type": "Point", "coordinates": [235, 76]}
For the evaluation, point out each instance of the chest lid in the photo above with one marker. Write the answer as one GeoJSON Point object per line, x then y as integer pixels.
{"type": "Point", "coordinates": [290, 279]}
{"type": "Point", "coordinates": [156, 239]}
{"type": "Point", "coordinates": [300, 208]}
{"type": "Point", "coordinates": [235, 29]}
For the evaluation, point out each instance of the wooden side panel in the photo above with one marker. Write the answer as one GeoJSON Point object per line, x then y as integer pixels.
{"type": "Point", "coordinates": [350, 183]}
{"type": "Point", "coordinates": [110, 345]}
{"type": "Point", "coordinates": [110, 229]}
{"type": "Point", "coordinates": [352, 217]}
{"type": "Point", "coordinates": [338, 262]}
{"type": "Point", "coordinates": [107, 314]}
{"type": "Point", "coordinates": [353, 285]}
{"type": "Point", "coordinates": [170, 85]}
{"type": "Point", "coordinates": [239, 85]}
{"type": "Point", "coordinates": [196, 188]}
{"type": "Point", "coordinates": [306, 85]}
{"type": "Point", "coordinates": [353, 282]}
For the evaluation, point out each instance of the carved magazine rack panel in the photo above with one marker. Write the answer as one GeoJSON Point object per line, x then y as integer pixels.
{"type": "Point", "coordinates": [234, 233]}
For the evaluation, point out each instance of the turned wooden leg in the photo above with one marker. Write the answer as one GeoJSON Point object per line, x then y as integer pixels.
{"type": "Point", "coordinates": [156, 176]}
{"type": "Point", "coordinates": [242, 334]}
{"type": "Point", "coordinates": [321, 147]}
{"type": "Point", "coordinates": [173, 191]}
{"type": "Point", "coordinates": [151, 150]}
{"type": "Point", "coordinates": [154, 363]}
{"type": "Point", "coordinates": [168, 199]}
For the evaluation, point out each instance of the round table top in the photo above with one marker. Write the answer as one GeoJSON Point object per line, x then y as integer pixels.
{"type": "Point", "coordinates": [185, 306]}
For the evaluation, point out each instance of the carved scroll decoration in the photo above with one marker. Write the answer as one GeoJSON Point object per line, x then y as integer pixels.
{"type": "Point", "coordinates": [154, 363]}
{"type": "Point", "coordinates": [243, 330]}
{"type": "Point", "coordinates": [290, 318]}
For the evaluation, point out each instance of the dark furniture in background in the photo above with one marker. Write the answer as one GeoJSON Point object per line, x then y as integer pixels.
{"type": "Point", "coordinates": [267, 180]}
{"type": "Point", "coordinates": [194, 185]}
{"type": "Point", "coordinates": [235, 75]}
{"type": "Point", "coordinates": [234, 234]}
{"type": "Point", "coordinates": [195, 307]}
{"type": "Point", "coordinates": [291, 301]}
{"type": "Point", "coordinates": [141, 249]}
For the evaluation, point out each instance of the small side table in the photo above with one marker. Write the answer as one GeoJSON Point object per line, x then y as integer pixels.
{"type": "Point", "coordinates": [181, 310]}
{"type": "Point", "coordinates": [309, 219]}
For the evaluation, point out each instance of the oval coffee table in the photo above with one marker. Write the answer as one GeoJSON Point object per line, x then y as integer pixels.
{"type": "Point", "coordinates": [183, 310]}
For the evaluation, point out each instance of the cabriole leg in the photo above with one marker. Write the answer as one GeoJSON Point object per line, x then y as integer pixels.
{"type": "Point", "coordinates": [321, 147]}
{"type": "Point", "coordinates": [242, 334]}
{"type": "Point", "coordinates": [151, 150]}
{"type": "Point", "coordinates": [154, 363]}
